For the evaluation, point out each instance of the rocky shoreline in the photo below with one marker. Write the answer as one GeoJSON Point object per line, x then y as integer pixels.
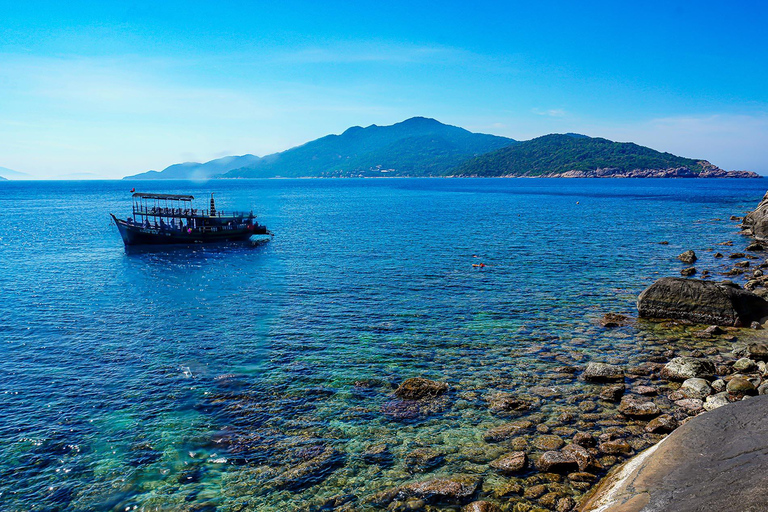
{"type": "Point", "coordinates": [543, 441]}
{"type": "Point", "coordinates": [704, 367]}
{"type": "Point", "coordinates": [673, 172]}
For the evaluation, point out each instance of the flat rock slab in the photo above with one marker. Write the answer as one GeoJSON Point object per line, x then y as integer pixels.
{"type": "Point", "coordinates": [716, 461]}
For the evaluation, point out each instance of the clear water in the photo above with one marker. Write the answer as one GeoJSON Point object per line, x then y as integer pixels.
{"type": "Point", "coordinates": [191, 379]}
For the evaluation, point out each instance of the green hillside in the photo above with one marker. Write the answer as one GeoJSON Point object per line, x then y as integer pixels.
{"type": "Point", "coordinates": [416, 147]}
{"type": "Point", "coordinates": [556, 154]}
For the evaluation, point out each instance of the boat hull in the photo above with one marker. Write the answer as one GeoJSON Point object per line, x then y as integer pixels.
{"type": "Point", "coordinates": [133, 234]}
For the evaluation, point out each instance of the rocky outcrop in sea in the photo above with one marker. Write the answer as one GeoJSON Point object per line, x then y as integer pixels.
{"type": "Point", "coordinates": [710, 171]}
{"type": "Point", "coordinates": [755, 223]}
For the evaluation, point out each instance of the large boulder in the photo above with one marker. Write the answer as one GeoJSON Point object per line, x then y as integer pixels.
{"type": "Point", "coordinates": [704, 302]}
{"type": "Point", "coordinates": [715, 461]}
{"type": "Point", "coordinates": [755, 223]}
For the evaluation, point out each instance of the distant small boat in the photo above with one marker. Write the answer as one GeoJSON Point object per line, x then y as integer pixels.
{"type": "Point", "coordinates": [170, 219]}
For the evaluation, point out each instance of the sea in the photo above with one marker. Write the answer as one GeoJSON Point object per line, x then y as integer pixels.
{"type": "Point", "coordinates": [261, 377]}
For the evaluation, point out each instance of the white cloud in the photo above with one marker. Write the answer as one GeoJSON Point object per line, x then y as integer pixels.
{"type": "Point", "coordinates": [553, 112]}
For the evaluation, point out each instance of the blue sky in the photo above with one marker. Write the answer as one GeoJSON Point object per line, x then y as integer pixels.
{"type": "Point", "coordinates": [115, 88]}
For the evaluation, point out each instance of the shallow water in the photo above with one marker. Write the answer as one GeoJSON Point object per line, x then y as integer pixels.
{"type": "Point", "coordinates": [193, 379]}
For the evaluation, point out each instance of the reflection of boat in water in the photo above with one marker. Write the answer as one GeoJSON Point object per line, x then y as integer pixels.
{"type": "Point", "coordinates": [170, 219]}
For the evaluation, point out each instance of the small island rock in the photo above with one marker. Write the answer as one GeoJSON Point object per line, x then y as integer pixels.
{"type": "Point", "coordinates": [687, 257]}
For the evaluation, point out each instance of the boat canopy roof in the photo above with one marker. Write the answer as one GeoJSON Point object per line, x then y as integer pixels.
{"type": "Point", "coordinates": [170, 197]}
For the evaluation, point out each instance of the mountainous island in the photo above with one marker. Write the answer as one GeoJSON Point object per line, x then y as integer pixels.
{"type": "Point", "coordinates": [419, 147]}
{"type": "Point", "coordinates": [9, 174]}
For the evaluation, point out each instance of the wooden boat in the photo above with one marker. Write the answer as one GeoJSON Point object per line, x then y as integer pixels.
{"type": "Point", "coordinates": [170, 219]}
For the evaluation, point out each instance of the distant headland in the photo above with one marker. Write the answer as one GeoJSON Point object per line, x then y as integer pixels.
{"type": "Point", "coordinates": [423, 147]}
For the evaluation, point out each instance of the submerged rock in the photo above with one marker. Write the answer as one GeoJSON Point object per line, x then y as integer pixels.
{"type": "Point", "coordinates": [612, 393]}
{"type": "Point", "coordinates": [451, 490]}
{"type": "Point", "coordinates": [418, 388]}
{"type": "Point", "coordinates": [500, 402]}
{"type": "Point", "coordinates": [615, 447]}
{"type": "Point", "coordinates": [602, 372]}
{"type": "Point", "coordinates": [481, 506]}
{"type": "Point", "coordinates": [556, 462]}
{"type": "Point", "coordinates": [422, 459]}
{"type": "Point", "coordinates": [700, 301]}
{"type": "Point", "coordinates": [510, 463]}
{"type": "Point", "coordinates": [614, 320]}
{"type": "Point", "coordinates": [505, 431]}
{"type": "Point", "coordinates": [548, 442]}
{"type": "Point", "coordinates": [315, 469]}
{"type": "Point", "coordinates": [378, 454]}
{"type": "Point", "coordinates": [633, 406]}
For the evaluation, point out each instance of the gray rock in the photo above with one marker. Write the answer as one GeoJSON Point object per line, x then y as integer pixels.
{"type": "Point", "coordinates": [714, 462]}
{"type": "Point", "coordinates": [687, 257]}
{"type": "Point", "coordinates": [696, 388]}
{"type": "Point", "coordinates": [745, 365]}
{"type": "Point", "coordinates": [701, 302]}
{"type": "Point", "coordinates": [718, 386]}
{"type": "Point", "coordinates": [602, 372]}
{"type": "Point", "coordinates": [762, 389]}
{"type": "Point", "coordinates": [683, 368]}
{"type": "Point", "coordinates": [636, 407]}
{"type": "Point", "coordinates": [755, 223]}
{"type": "Point", "coordinates": [692, 405]}
{"type": "Point", "coordinates": [714, 401]}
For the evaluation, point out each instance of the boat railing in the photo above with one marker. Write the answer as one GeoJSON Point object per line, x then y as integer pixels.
{"type": "Point", "coordinates": [183, 212]}
{"type": "Point", "coordinates": [190, 229]}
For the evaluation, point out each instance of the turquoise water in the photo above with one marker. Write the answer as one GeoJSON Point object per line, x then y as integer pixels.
{"type": "Point", "coordinates": [194, 379]}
